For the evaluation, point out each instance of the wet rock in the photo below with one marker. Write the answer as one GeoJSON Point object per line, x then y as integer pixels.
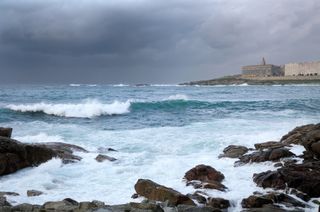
{"type": "Point", "coordinates": [135, 196]}
{"type": "Point", "coordinates": [4, 202]}
{"type": "Point", "coordinates": [65, 205]}
{"type": "Point", "coordinates": [303, 177]}
{"type": "Point", "coordinates": [297, 135]}
{"type": "Point", "coordinates": [100, 158]}
{"type": "Point", "coordinates": [204, 173]}
{"type": "Point", "coordinates": [65, 151]}
{"type": "Point", "coordinates": [255, 201]}
{"type": "Point", "coordinates": [267, 155]}
{"type": "Point", "coordinates": [258, 201]}
{"type": "Point", "coordinates": [218, 203]}
{"type": "Point", "coordinates": [5, 132]}
{"type": "Point", "coordinates": [234, 151]}
{"type": "Point", "coordinates": [8, 193]}
{"type": "Point", "coordinates": [270, 145]}
{"type": "Point", "coordinates": [154, 191]}
{"type": "Point", "coordinates": [203, 176]}
{"type": "Point", "coordinates": [32, 193]}
{"type": "Point", "coordinates": [188, 208]}
{"type": "Point", "coordinates": [207, 185]}
{"type": "Point", "coordinates": [198, 198]}
{"type": "Point", "coordinates": [15, 155]}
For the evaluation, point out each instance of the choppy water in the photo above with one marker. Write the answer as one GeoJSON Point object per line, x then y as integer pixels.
{"type": "Point", "coordinates": [160, 132]}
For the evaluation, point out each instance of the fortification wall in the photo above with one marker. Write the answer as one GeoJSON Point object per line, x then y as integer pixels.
{"type": "Point", "coordinates": [261, 70]}
{"type": "Point", "coordinates": [302, 69]}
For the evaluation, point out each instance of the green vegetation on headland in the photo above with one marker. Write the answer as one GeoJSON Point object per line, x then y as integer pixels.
{"type": "Point", "coordinates": [239, 79]}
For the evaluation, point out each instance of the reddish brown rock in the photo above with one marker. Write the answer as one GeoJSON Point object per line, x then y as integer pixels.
{"type": "Point", "coordinates": [204, 173]}
{"type": "Point", "coordinates": [218, 203]}
{"type": "Point", "coordinates": [270, 145]}
{"type": "Point", "coordinates": [154, 191]}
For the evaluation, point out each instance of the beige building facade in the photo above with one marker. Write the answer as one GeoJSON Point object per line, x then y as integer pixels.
{"type": "Point", "coordinates": [302, 69]}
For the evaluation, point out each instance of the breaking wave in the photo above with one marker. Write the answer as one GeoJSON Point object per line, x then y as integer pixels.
{"type": "Point", "coordinates": [87, 109]}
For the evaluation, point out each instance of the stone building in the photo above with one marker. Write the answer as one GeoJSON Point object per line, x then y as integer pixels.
{"type": "Point", "coordinates": [302, 69]}
{"type": "Point", "coordinates": [262, 70]}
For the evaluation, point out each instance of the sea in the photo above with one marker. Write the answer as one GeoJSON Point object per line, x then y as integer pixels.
{"type": "Point", "coordinates": [159, 131]}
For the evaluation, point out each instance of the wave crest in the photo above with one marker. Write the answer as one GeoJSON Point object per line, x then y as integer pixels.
{"type": "Point", "coordinates": [87, 109]}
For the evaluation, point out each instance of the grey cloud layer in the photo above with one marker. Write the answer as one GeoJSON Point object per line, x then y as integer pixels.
{"type": "Point", "coordinates": [150, 41]}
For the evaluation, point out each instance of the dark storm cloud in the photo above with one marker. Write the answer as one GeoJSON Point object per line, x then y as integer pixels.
{"type": "Point", "coordinates": [150, 41]}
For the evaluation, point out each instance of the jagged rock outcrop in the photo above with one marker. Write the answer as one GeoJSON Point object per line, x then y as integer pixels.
{"type": "Point", "coordinates": [15, 155]}
{"type": "Point", "coordinates": [266, 155]}
{"type": "Point", "coordinates": [33, 193]}
{"type": "Point", "coordinates": [154, 191]}
{"type": "Point", "coordinates": [303, 177]}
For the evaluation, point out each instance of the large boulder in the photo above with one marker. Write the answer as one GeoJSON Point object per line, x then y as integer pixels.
{"type": "Point", "coordinates": [5, 132]}
{"type": "Point", "coordinates": [218, 203]}
{"type": "Point", "coordinates": [303, 177]}
{"type": "Point", "coordinates": [203, 173]}
{"type": "Point", "coordinates": [297, 135]}
{"type": "Point", "coordinates": [15, 155]}
{"type": "Point", "coordinates": [234, 151]}
{"type": "Point", "coordinates": [154, 191]}
{"type": "Point", "coordinates": [203, 176]}
{"type": "Point", "coordinates": [267, 155]}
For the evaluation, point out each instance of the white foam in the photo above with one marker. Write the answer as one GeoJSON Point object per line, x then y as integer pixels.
{"type": "Point", "coordinates": [177, 97]}
{"type": "Point", "coordinates": [39, 138]}
{"type": "Point", "coordinates": [86, 109]}
{"type": "Point", "coordinates": [74, 85]}
{"type": "Point", "coordinates": [121, 85]}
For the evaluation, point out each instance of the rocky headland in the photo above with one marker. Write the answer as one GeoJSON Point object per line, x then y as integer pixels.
{"type": "Point", "coordinates": [240, 80]}
{"type": "Point", "coordinates": [294, 185]}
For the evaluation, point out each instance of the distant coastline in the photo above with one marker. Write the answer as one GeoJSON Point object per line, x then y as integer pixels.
{"type": "Point", "coordinates": [240, 79]}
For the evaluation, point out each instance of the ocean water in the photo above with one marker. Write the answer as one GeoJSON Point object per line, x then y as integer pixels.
{"type": "Point", "coordinates": [160, 132]}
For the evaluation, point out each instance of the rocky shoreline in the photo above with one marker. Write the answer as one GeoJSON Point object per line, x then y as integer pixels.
{"type": "Point", "coordinates": [239, 80]}
{"type": "Point", "coordinates": [294, 185]}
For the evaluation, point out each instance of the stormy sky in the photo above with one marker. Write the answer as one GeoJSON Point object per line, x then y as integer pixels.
{"type": "Point", "coordinates": [150, 41]}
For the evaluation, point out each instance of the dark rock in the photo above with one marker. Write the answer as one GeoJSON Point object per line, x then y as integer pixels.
{"type": "Point", "coordinates": [100, 158]}
{"type": "Point", "coordinates": [8, 193]}
{"type": "Point", "coordinates": [26, 208]}
{"type": "Point", "coordinates": [267, 155]}
{"type": "Point", "coordinates": [234, 151]}
{"type": "Point", "coordinates": [297, 135]}
{"type": "Point", "coordinates": [65, 151]}
{"type": "Point", "coordinates": [207, 185]}
{"type": "Point", "coordinates": [204, 173]}
{"type": "Point", "coordinates": [258, 201]}
{"type": "Point", "coordinates": [218, 203]}
{"type": "Point", "coordinates": [278, 165]}
{"type": "Point", "coordinates": [15, 155]}
{"type": "Point", "coordinates": [3, 201]}
{"type": "Point", "coordinates": [5, 132]}
{"type": "Point", "coordinates": [188, 208]}
{"type": "Point", "coordinates": [255, 201]}
{"type": "Point", "coordinates": [134, 196]}
{"type": "Point", "coordinates": [32, 193]}
{"type": "Point", "coordinates": [303, 177]}
{"type": "Point", "coordinates": [270, 145]}
{"type": "Point", "coordinates": [198, 198]}
{"type": "Point", "coordinates": [154, 191]}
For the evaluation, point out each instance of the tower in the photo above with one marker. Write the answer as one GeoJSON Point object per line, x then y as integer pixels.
{"type": "Point", "coordinates": [263, 62]}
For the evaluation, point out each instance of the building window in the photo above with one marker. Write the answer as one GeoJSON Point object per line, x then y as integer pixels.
{"type": "Point", "coordinates": [315, 74]}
